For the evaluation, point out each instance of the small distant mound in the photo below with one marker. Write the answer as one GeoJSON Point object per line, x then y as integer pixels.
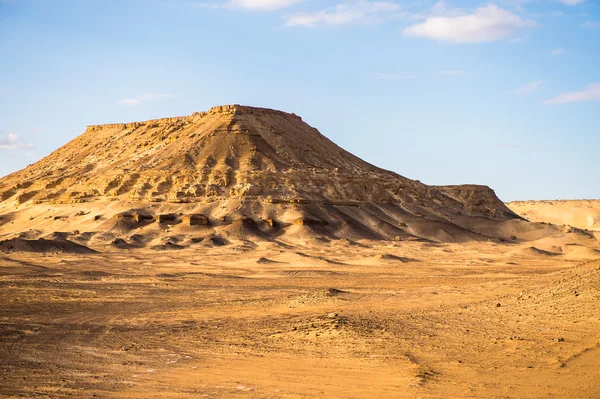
{"type": "Point", "coordinates": [536, 251]}
{"type": "Point", "coordinates": [395, 258]}
{"type": "Point", "coordinates": [31, 234]}
{"type": "Point", "coordinates": [168, 247]}
{"type": "Point", "coordinates": [121, 244]}
{"type": "Point", "coordinates": [44, 246]}
{"type": "Point", "coordinates": [244, 228]}
{"type": "Point", "coordinates": [58, 235]}
{"type": "Point", "coordinates": [139, 239]}
{"type": "Point", "coordinates": [121, 226]}
{"type": "Point", "coordinates": [266, 261]}
{"type": "Point", "coordinates": [217, 241]}
{"type": "Point", "coordinates": [335, 292]}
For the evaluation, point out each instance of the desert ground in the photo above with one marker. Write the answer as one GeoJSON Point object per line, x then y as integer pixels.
{"type": "Point", "coordinates": [319, 319]}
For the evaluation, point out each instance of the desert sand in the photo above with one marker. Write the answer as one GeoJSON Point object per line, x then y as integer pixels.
{"type": "Point", "coordinates": [239, 253]}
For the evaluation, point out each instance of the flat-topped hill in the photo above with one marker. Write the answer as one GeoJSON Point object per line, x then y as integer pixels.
{"type": "Point", "coordinates": [245, 165]}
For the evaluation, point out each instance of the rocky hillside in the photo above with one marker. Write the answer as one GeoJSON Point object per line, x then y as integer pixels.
{"type": "Point", "coordinates": [248, 163]}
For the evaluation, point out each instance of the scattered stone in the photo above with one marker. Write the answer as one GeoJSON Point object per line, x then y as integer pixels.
{"type": "Point", "coordinates": [265, 261]}
{"type": "Point", "coordinates": [334, 291]}
{"type": "Point", "coordinates": [143, 217]}
{"type": "Point", "coordinates": [270, 222]}
{"type": "Point", "coordinates": [195, 220]}
{"type": "Point", "coordinates": [310, 222]}
{"type": "Point", "coordinates": [169, 217]}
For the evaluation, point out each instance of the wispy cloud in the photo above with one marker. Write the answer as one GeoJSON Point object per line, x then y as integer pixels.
{"type": "Point", "coordinates": [453, 72]}
{"type": "Point", "coordinates": [485, 24]}
{"type": "Point", "coordinates": [392, 76]}
{"type": "Point", "coordinates": [261, 5]}
{"type": "Point", "coordinates": [14, 142]}
{"type": "Point", "coordinates": [590, 93]}
{"type": "Point", "coordinates": [358, 13]}
{"type": "Point", "coordinates": [591, 24]}
{"type": "Point", "coordinates": [557, 51]}
{"type": "Point", "coordinates": [571, 2]}
{"type": "Point", "coordinates": [137, 100]}
{"type": "Point", "coordinates": [510, 146]}
{"type": "Point", "coordinates": [529, 88]}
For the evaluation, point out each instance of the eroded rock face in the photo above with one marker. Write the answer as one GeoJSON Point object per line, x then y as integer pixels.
{"type": "Point", "coordinates": [255, 156]}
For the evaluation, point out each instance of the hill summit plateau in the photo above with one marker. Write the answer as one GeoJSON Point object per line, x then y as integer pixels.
{"type": "Point", "coordinates": [239, 172]}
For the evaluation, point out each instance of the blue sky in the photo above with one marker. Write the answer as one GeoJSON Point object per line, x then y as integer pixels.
{"type": "Point", "coordinates": [505, 94]}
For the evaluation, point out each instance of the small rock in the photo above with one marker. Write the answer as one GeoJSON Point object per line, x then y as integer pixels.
{"type": "Point", "coordinates": [560, 339]}
{"type": "Point", "coordinates": [498, 305]}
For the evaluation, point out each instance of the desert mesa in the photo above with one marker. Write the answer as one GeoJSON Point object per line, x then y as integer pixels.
{"type": "Point", "coordinates": [240, 173]}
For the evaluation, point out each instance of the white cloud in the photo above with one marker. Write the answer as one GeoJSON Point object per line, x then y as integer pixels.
{"type": "Point", "coordinates": [590, 93]}
{"type": "Point", "coordinates": [530, 87]}
{"type": "Point", "coordinates": [133, 101]}
{"type": "Point", "coordinates": [13, 142]}
{"type": "Point", "coordinates": [359, 13]}
{"type": "Point", "coordinates": [571, 2]}
{"type": "Point", "coordinates": [485, 24]}
{"type": "Point", "coordinates": [557, 51]}
{"type": "Point", "coordinates": [453, 72]}
{"type": "Point", "coordinates": [392, 76]}
{"type": "Point", "coordinates": [263, 5]}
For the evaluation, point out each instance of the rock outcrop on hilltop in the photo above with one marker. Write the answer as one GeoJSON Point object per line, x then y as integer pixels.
{"type": "Point", "coordinates": [260, 164]}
